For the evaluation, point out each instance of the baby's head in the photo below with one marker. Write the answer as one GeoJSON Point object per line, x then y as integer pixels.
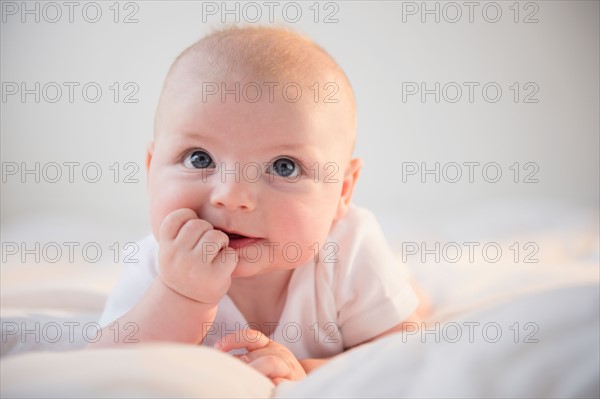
{"type": "Point", "coordinates": [254, 131]}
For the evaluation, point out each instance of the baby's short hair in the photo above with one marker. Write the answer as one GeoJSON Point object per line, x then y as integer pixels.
{"type": "Point", "coordinates": [264, 53]}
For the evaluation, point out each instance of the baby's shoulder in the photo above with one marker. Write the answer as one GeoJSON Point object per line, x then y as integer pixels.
{"type": "Point", "coordinates": [357, 225]}
{"type": "Point", "coordinates": [354, 241]}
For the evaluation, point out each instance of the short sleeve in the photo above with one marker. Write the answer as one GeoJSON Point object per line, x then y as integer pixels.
{"type": "Point", "coordinates": [371, 287]}
{"type": "Point", "coordinates": [133, 283]}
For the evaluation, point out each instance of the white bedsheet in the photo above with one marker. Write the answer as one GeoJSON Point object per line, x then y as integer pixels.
{"type": "Point", "coordinates": [558, 358]}
{"type": "Point", "coordinates": [555, 302]}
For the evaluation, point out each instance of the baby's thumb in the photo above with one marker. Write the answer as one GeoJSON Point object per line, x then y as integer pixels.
{"type": "Point", "coordinates": [227, 260]}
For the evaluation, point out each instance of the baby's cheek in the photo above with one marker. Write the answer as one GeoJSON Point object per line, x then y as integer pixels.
{"type": "Point", "coordinates": [157, 215]}
{"type": "Point", "coordinates": [163, 202]}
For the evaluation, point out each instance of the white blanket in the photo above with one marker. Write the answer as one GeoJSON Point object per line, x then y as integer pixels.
{"type": "Point", "coordinates": [497, 330]}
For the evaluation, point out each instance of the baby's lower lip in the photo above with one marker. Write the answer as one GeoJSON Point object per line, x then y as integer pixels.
{"type": "Point", "coordinates": [241, 242]}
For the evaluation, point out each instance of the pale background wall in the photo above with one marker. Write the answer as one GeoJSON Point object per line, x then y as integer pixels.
{"type": "Point", "coordinates": [379, 44]}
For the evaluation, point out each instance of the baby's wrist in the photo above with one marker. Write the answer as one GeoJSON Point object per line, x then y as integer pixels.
{"type": "Point", "coordinates": [182, 299]}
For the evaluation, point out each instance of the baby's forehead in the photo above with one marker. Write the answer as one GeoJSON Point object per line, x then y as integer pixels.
{"type": "Point", "coordinates": [264, 126]}
{"type": "Point", "coordinates": [259, 66]}
{"type": "Point", "coordinates": [268, 55]}
{"type": "Point", "coordinates": [297, 94]}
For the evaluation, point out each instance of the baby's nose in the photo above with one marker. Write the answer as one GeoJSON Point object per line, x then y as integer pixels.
{"type": "Point", "coordinates": [232, 191]}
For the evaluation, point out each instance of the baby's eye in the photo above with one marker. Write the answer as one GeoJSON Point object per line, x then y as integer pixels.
{"type": "Point", "coordinates": [284, 167]}
{"type": "Point", "coordinates": [198, 160]}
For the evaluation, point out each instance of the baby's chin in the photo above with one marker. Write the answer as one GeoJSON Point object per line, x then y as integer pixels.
{"type": "Point", "coordinates": [246, 268]}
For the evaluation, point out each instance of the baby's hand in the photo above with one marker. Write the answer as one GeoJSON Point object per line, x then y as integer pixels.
{"type": "Point", "coordinates": [269, 357]}
{"type": "Point", "coordinates": [194, 259]}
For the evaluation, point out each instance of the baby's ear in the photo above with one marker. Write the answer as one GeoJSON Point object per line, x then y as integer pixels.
{"type": "Point", "coordinates": [350, 177]}
{"type": "Point", "coordinates": [149, 151]}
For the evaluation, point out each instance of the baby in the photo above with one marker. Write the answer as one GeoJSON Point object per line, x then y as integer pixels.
{"type": "Point", "coordinates": [256, 246]}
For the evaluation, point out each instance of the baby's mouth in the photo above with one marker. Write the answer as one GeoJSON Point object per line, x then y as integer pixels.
{"type": "Point", "coordinates": [237, 241]}
{"type": "Point", "coordinates": [234, 236]}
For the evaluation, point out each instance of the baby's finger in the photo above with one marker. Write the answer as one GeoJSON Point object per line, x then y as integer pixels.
{"type": "Point", "coordinates": [172, 223]}
{"type": "Point", "coordinates": [211, 242]}
{"type": "Point", "coordinates": [268, 350]}
{"type": "Point", "coordinates": [192, 232]}
{"type": "Point", "coordinates": [271, 366]}
{"type": "Point", "coordinates": [244, 339]}
{"type": "Point", "coordinates": [226, 261]}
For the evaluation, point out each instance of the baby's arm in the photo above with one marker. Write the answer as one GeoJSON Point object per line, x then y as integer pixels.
{"type": "Point", "coordinates": [182, 301]}
{"type": "Point", "coordinates": [161, 315]}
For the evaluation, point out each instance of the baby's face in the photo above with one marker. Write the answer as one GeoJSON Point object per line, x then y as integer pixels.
{"type": "Point", "coordinates": [271, 172]}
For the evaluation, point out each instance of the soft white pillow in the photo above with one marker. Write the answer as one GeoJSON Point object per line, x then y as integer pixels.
{"type": "Point", "coordinates": [25, 330]}
{"type": "Point", "coordinates": [149, 370]}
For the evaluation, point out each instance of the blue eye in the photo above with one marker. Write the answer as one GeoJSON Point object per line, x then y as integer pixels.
{"type": "Point", "coordinates": [198, 160]}
{"type": "Point", "coordinates": [285, 167]}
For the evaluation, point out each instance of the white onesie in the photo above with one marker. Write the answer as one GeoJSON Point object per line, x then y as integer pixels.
{"type": "Point", "coordinates": [330, 306]}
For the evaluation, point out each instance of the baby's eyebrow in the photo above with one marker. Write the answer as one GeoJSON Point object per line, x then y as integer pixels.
{"type": "Point", "coordinates": [289, 147]}
{"type": "Point", "coordinates": [196, 135]}
{"type": "Point", "coordinates": [304, 148]}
